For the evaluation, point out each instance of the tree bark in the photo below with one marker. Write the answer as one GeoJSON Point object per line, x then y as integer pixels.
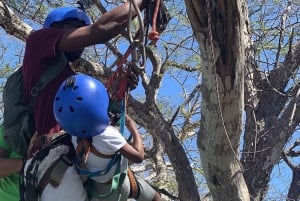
{"type": "Point", "coordinates": [219, 27]}
{"type": "Point", "coordinates": [187, 188]}
{"type": "Point", "coordinates": [12, 24]}
{"type": "Point", "coordinates": [271, 118]}
{"type": "Point", "coordinates": [294, 193]}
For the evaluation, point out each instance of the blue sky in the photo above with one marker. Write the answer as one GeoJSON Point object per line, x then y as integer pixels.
{"type": "Point", "coordinates": [171, 90]}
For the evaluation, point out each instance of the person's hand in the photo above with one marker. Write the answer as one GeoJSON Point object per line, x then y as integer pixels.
{"type": "Point", "coordinates": [129, 122]}
{"type": "Point", "coordinates": [133, 80]}
{"type": "Point", "coordinates": [163, 15]}
{"type": "Point", "coordinates": [32, 144]}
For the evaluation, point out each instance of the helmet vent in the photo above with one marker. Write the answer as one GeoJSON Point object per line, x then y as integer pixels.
{"type": "Point", "coordinates": [79, 99]}
{"type": "Point", "coordinates": [75, 88]}
{"type": "Point", "coordinates": [57, 98]}
{"type": "Point", "coordinates": [83, 131]}
{"type": "Point", "coordinates": [60, 109]}
{"type": "Point", "coordinates": [71, 109]}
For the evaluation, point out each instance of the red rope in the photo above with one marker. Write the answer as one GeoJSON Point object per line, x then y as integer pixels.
{"type": "Point", "coordinates": [117, 84]}
{"type": "Point", "coordinates": [153, 34]}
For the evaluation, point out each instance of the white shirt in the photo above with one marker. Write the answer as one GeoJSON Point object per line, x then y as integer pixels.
{"type": "Point", "coordinates": [108, 142]}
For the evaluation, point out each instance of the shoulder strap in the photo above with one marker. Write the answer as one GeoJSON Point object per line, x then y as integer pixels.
{"type": "Point", "coordinates": [54, 68]}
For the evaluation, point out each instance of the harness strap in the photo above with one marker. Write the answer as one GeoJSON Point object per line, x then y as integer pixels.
{"type": "Point", "coordinates": [55, 172]}
{"type": "Point", "coordinates": [46, 178]}
{"type": "Point", "coordinates": [117, 180]}
{"type": "Point", "coordinates": [134, 187]}
{"type": "Point", "coordinates": [43, 141]}
{"type": "Point", "coordinates": [85, 147]}
{"type": "Point", "coordinates": [59, 169]}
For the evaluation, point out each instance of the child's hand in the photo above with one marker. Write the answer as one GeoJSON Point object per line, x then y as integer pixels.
{"type": "Point", "coordinates": [130, 123]}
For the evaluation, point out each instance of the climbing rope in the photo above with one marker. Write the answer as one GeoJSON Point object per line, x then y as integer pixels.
{"type": "Point", "coordinates": [134, 59]}
{"type": "Point", "coordinates": [209, 9]}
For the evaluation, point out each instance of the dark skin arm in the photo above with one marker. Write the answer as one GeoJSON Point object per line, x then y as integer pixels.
{"type": "Point", "coordinates": [8, 166]}
{"type": "Point", "coordinates": [135, 150]}
{"type": "Point", "coordinates": [109, 25]}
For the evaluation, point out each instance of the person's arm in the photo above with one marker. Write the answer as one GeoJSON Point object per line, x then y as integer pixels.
{"type": "Point", "coordinates": [135, 150]}
{"type": "Point", "coordinates": [109, 25]}
{"type": "Point", "coordinates": [9, 166]}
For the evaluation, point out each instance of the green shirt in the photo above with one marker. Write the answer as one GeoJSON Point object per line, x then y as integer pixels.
{"type": "Point", "coordinates": [9, 186]}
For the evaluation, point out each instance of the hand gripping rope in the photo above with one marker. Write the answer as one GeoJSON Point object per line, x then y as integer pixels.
{"type": "Point", "coordinates": [118, 85]}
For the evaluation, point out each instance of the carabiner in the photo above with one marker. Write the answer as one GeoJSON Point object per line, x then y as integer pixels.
{"type": "Point", "coordinates": [137, 45]}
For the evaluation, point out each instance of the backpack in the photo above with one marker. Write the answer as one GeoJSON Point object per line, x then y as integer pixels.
{"type": "Point", "coordinates": [18, 120]}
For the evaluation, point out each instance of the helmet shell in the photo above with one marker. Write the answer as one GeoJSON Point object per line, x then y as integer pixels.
{"type": "Point", "coordinates": [81, 106]}
{"type": "Point", "coordinates": [63, 13]}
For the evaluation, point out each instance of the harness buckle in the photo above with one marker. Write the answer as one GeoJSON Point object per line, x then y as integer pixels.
{"type": "Point", "coordinates": [34, 91]}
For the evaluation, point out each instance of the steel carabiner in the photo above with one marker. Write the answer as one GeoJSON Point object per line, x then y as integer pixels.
{"type": "Point", "coordinates": [136, 44]}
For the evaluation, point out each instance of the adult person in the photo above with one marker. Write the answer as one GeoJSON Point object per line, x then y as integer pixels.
{"type": "Point", "coordinates": [10, 165]}
{"type": "Point", "coordinates": [66, 31]}
{"type": "Point", "coordinates": [102, 151]}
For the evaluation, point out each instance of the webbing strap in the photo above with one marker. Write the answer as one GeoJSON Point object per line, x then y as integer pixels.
{"type": "Point", "coordinates": [117, 180]}
{"type": "Point", "coordinates": [59, 169]}
{"type": "Point", "coordinates": [122, 120]}
{"type": "Point", "coordinates": [54, 68]}
{"type": "Point", "coordinates": [88, 173]}
{"type": "Point", "coordinates": [55, 172]}
{"type": "Point", "coordinates": [134, 187]}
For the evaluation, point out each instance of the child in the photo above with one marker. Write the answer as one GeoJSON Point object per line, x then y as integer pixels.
{"type": "Point", "coordinates": [81, 108]}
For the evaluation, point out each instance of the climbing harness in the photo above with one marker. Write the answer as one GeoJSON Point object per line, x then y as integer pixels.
{"type": "Point", "coordinates": [134, 187]}
{"type": "Point", "coordinates": [83, 149]}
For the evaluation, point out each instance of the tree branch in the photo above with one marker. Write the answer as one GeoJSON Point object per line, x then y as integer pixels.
{"type": "Point", "coordinates": [12, 24]}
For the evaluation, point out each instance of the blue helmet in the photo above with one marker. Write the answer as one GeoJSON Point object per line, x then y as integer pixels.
{"type": "Point", "coordinates": [81, 106]}
{"type": "Point", "coordinates": [63, 13]}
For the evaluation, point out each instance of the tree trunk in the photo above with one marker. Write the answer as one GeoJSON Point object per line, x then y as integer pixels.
{"type": "Point", "coordinates": [271, 118]}
{"type": "Point", "coordinates": [220, 27]}
{"type": "Point", "coordinates": [294, 193]}
{"type": "Point", "coordinates": [187, 188]}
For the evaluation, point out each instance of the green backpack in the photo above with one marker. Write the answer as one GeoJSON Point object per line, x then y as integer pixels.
{"type": "Point", "coordinates": [18, 121]}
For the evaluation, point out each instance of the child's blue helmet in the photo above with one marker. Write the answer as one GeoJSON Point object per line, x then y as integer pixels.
{"type": "Point", "coordinates": [81, 106]}
{"type": "Point", "coordinates": [63, 13]}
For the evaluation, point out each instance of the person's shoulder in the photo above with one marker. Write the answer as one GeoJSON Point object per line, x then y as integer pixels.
{"type": "Point", "coordinates": [108, 133]}
{"type": "Point", "coordinates": [44, 33]}
{"type": "Point", "coordinates": [110, 130]}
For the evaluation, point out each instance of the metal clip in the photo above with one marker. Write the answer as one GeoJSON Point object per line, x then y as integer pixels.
{"type": "Point", "coordinates": [137, 45]}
